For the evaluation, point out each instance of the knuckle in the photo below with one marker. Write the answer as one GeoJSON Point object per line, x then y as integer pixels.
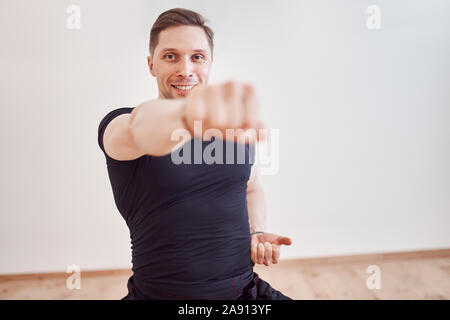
{"type": "Point", "coordinates": [249, 89]}
{"type": "Point", "coordinates": [231, 85]}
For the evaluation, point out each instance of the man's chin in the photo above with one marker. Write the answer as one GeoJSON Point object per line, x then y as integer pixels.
{"type": "Point", "coordinates": [172, 95]}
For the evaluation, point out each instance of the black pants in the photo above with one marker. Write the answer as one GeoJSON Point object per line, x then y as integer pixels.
{"type": "Point", "coordinates": [257, 289]}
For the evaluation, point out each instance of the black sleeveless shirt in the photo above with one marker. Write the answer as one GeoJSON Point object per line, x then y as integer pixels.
{"type": "Point", "coordinates": [189, 229]}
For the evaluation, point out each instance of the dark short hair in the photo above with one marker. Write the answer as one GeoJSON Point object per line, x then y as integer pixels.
{"type": "Point", "coordinates": [179, 17]}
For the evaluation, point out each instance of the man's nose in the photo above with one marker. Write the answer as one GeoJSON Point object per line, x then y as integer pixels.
{"type": "Point", "coordinates": [185, 69]}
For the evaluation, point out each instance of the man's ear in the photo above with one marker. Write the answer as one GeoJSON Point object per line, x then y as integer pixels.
{"type": "Point", "coordinates": [150, 65]}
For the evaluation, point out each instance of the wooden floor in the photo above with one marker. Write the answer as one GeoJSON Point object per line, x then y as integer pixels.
{"type": "Point", "coordinates": [407, 275]}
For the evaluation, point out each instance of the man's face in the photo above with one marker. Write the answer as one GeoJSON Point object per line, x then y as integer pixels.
{"type": "Point", "coordinates": [181, 61]}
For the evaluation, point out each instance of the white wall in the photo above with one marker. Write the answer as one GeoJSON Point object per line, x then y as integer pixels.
{"type": "Point", "coordinates": [363, 118]}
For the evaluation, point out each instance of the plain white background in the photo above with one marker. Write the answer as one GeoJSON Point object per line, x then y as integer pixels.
{"type": "Point", "coordinates": [363, 119]}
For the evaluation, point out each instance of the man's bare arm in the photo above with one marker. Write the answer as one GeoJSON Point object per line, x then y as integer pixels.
{"type": "Point", "coordinates": [146, 130]}
{"type": "Point", "coordinates": [256, 203]}
{"type": "Point", "coordinates": [150, 126]}
{"type": "Point", "coordinates": [264, 248]}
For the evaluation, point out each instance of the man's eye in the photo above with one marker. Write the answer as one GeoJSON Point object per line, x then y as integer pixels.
{"type": "Point", "coordinates": [199, 56]}
{"type": "Point", "coordinates": [169, 56]}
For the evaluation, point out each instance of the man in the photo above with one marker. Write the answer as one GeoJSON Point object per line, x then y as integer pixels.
{"type": "Point", "coordinates": [189, 222]}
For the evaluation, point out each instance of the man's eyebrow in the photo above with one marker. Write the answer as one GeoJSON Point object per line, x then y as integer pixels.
{"type": "Point", "coordinates": [200, 50]}
{"type": "Point", "coordinates": [168, 49]}
{"type": "Point", "coordinates": [175, 50]}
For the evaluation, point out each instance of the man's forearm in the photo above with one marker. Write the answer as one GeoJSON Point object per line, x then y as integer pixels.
{"type": "Point", "coordinates": [152, 124]}
{"type": "Point", "coordinates": [256, 206]}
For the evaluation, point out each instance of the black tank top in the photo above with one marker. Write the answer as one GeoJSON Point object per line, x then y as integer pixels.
{"type": "Point", "coordinates": [188, 223]}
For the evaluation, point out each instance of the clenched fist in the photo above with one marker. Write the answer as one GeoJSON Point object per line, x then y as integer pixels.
{"type": "Point", "coordinates": [231, 105]}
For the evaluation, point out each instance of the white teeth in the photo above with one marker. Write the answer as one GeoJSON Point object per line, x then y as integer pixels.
{"type": "Point", "coordinates": [186, 88]}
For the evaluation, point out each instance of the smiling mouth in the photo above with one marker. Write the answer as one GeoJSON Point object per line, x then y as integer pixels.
{"type": "Point", "coordinates": [183, 89]}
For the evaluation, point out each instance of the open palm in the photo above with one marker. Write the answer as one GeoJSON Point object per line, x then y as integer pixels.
{"type": "Point", "coordinates": [265, 247]}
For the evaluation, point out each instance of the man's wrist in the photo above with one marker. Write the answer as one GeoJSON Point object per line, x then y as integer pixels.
{"type": "Point", "coordinates": [257, 232]}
